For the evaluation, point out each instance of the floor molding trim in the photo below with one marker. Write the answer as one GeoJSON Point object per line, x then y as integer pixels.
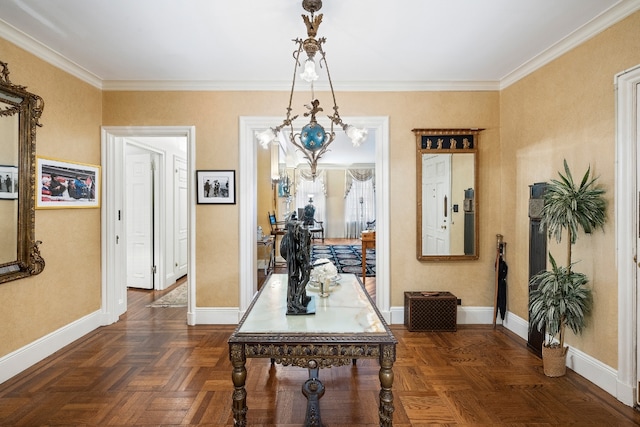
{"type": "Point", "coordinates": [218, 315]}
{"type": "Point", "coordinates": [18, 361]}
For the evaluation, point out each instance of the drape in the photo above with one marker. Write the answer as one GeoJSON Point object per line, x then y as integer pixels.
{"type": "Point", "coordinates": [360, 200]}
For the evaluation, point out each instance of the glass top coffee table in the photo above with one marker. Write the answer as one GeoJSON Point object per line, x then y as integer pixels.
{"type": "Point", "coordinates": [346, 326]}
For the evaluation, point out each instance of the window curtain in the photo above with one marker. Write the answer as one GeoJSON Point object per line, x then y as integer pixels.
{"type": "Point", "coordinates": [306, 186]}
{"type": "Point", "coordinates": [360, 201]}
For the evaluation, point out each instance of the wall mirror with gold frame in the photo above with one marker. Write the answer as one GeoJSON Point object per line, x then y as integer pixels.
{"type": "Point", "coordinates": [19, 117]}
{"type": "Point", "coordinates": [447, 194]}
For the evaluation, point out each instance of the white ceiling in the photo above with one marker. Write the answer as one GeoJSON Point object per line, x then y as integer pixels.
{"type": "Point", "coordinates": [247, 44]}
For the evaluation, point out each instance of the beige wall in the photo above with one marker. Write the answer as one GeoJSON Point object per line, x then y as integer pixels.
{"type": "Point", "coordinates": [472, 281]}
{"type": "Point", "coordinates": [69, 286]}
{"type": "Point", "coordinates": [215, 116]}
{"type": "Point", "coordinates": [566, 111]}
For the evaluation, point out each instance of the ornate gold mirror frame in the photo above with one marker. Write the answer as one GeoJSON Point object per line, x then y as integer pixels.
{"type": "Point", "coordinates": [447, 194]}
{"type": "Point", "coordinates": [20, 112]}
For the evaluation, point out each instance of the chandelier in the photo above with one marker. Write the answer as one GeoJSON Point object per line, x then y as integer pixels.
{"type": "Point", "coordinates": [313, 140]}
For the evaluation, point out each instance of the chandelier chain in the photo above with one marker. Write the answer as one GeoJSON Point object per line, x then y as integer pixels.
{"type": "Point", "coordinates": [313, 140]}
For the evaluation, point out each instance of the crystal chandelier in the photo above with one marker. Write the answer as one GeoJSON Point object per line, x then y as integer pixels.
{"type": "Point", "coordinates": [313, 140]}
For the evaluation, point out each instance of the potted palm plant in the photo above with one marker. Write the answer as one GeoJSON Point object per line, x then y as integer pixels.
{"type": "Point", "coordinates": [560, 297]}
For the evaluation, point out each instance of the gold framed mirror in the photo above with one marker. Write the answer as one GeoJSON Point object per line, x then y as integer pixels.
{"type": "Point", "coordinates": [20, 113]}
{"type": "Point", "coordinates": [447, 194]}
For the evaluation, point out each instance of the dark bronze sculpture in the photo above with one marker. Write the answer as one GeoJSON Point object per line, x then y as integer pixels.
{"type": "Point", "coordinates": [295, 248]}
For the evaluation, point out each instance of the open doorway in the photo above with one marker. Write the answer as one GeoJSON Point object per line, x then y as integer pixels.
{"type": "Point", "coordinates": [166, 215]}
{"type": "Point", "coordinates": [249, 126]}
{"type": "Point", "coordinates": [627, 199]}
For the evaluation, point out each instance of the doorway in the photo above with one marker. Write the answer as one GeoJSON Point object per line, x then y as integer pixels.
{"type": "Point", "coordinates": [249, 126]}
{"type": "Point", "coordinates": [627, 199]}
{"type": "Point", "coordinates": [171, 230]}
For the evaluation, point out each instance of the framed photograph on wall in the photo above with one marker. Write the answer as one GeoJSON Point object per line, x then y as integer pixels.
{"type": "Point", "coordinates": [63, 184]}
{"type": "Point", "coordinates": [8, 182]}
{"type": "Point", "coordinates": [216, 187]}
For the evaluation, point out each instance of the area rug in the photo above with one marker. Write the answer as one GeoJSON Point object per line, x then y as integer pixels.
{"type": "Point", "coordinates": [347, 258]}
{"type": "Point", "coordinates": [175, 298]}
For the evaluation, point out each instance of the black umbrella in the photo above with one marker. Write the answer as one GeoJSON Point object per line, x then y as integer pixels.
{"type": "Point", "coordinates": [502, 286]}
{"type": "Point", "coordinates": [500, 301]}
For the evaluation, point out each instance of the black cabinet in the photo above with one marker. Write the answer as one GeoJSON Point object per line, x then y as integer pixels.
{"type": "Point", "coordinates": [537, 254]}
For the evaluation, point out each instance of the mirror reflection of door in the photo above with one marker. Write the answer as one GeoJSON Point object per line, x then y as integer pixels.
{"type": "Point", "coordinates": [436, 195]}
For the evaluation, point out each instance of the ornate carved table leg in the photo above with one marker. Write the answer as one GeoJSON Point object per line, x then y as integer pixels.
{"type": "Point", "coordinates": [239, 377]}
{"type": "Point", "coordinates": [313, 390]}
{"type": "Point", "coordinates": [387, 356]}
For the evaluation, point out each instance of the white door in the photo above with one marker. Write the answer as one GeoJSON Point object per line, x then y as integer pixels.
{"type": "Point", "coordinates": [180, 217]}
{"type": "Point", "coordinates": [139, 220]}
{"type": "Point", "coordinates": [436, 199]}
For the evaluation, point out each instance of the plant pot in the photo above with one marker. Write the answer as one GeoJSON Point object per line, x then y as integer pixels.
{"type": "Point", "coordinates": [554, 361]}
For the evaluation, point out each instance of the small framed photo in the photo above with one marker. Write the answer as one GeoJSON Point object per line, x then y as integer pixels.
{"type": "Point", "coordinates": [63, 184]}
{"type": "Point", "coordinates": [8, 182]}
{"type": "Point", "coordinates": [216, 187]}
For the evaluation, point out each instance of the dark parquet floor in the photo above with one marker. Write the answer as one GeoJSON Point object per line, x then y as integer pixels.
{"type": "Point", "coordinates": [151, 369]}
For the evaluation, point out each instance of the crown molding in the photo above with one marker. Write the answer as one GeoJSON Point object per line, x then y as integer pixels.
{"type": "Point", "coordinates": [193, 85]}
{"type": "Point", "coordinates": [597, 25]}
{"type": "Point", "coordinates": [33, 46]}
{"type": "Point", "coordinates": [257, 86]}
{"type": "Point", "coordinates": [614, 14]}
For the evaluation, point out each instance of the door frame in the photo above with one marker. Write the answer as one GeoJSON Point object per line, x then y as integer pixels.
{"type": "Point", "coordinates": [113, 267]}
{"type": "Point", "coordinates": [249, 127]}
{"type": "Point", "coordinates": [626, 214]}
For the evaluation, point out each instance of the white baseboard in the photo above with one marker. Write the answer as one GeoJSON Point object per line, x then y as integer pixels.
{"type": "Point", "coordinates": [217, 316]}
{"type": "Point", "coordinates": [16, 362]}
{"type": "Point", "coordinates": [592, 369]}
{"type": "Point", "coordinates": [602, 375]}
{"type": "Point", "coordinates": [465, 316]}
{"type": "Point", "coordinates": [626, 394]}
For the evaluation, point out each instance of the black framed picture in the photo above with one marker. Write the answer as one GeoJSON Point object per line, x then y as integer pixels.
{"type": "Point", "coordinates": [8, 182]}
{"type": "Point", "coordinates": [216, 186]}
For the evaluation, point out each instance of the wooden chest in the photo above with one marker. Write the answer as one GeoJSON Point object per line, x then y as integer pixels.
{"type": "Point", "coordinates": [430, 311]}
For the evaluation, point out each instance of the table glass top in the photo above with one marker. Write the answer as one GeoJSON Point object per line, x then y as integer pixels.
{"type": "Point", "coordinates": [346, 310]}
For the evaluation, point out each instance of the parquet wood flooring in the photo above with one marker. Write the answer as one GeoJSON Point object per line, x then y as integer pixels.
{"type": "Point", "coordinates": [151, 369]}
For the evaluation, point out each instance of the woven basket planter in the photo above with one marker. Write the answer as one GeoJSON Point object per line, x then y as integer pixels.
{"type": "Point", "coordinates": [554, 361]}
